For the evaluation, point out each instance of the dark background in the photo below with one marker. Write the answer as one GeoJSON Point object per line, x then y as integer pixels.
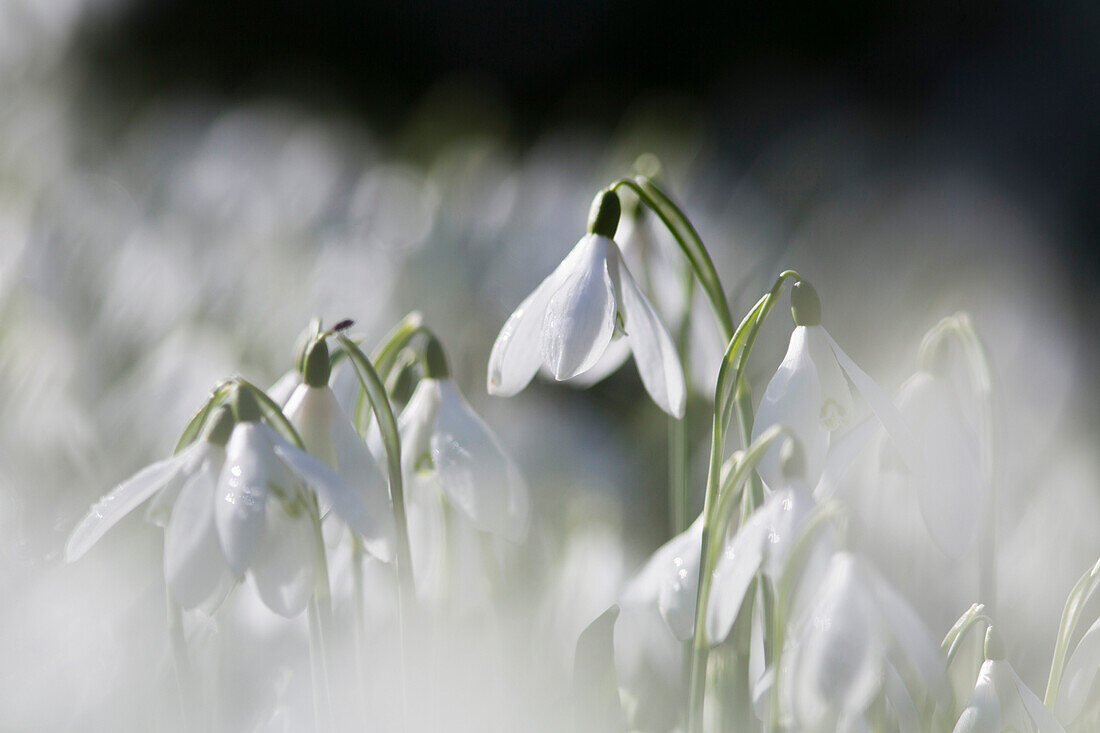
{"type": "Point", "coordinates": [1012, 88]}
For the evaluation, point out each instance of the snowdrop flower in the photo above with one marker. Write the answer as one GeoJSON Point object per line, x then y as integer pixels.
{"type": "Point", "coordinates": [857, 630]}
{"type": "Point", "coordinates": [809, 393]}
{"type": "Point", "coordinates": [1077, 701]}
{"type": "Point", "coordinates": [1001, 701]}
{"type": "Point", "coordinates": [264, 511]}
{"type": "Point", "coordinates": [950, 488]}
{"type": "Point", "coordinates": [443, 442]}
{"type": "Point", "coordinates": [760, 545]}
{"type": "Point", "coordinates": [669, 581]}
{"type": "Point", "coordinates": [587, 306]}
{"type": "Point", "coordinates": [329, 435]}
{"type": "Point", "coordinates": [185, 488]}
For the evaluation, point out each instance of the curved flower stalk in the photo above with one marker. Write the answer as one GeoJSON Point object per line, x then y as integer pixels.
{"type": "Point", "coordinates": [265, 515]}
{"type": "Point", "coordinates": [949, 490]}
{"type": "Point", "coordinates": [1001, 701]}
{"type": "Point", "coordinates": [184, 492]}
{"type": "Point", "coordinates": [809, 393]}
{"type": "Point", "coordinates": [328, 434]}
{"type": "Point", "coordinates": [855, 633]}
{"type": "Point", "coordinates": [444, 442]}
{"type": "Point", "coordinates": [571, 320]}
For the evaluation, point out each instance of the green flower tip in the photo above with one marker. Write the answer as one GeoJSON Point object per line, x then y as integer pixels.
{"type": "Point", "coordinates": [603, 217]}
{"type": "Point", "coordinates": [805, 305]}
{"type": "Point", "coordinates": [401, 386]}
{"type": "Point", "coordinates": [316, 366]}
{"type": "Point", "coordinates": [244, 404]}
{"type": "Point", "coordinates": [435, 361]}
{"type": "Point", "coordinates": [791, 461]}
{"type": "Point", "coordinates": [219, 428]}
{"type": "Point", "coordinates": [994, 647]}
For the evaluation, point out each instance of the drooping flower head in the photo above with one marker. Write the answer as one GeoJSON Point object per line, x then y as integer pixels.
{"type": "Point", "coordinates": [183, 490]}
{"type": "Point", "coordinates": [265, 509]}
{"type": "Point", "coordinates": [809, 394]}
{"type": "Point", "coordinates": [443, 441]}
{"type": "Point", "coordinates": [1001, 701]}
{"type": "Point", "coordinates": [573, 317]}
{"type": "Point", "coordinates": [328, 434]}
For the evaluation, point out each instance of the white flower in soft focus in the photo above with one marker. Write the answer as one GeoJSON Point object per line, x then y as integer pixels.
{"type": "Point", "coordinates": [949, 488]}
{"type": "Point", "coordinates": [1002, 702]}
{"type": "Point", "coordinates": [669, 581]}
{"type": "Point", "coordinates": [263, 512]}
{"type": "Point", "coordinates": [443, 440]}
{"type": "Point", "coordinates": [329, 435]}
{"type": "Point", "coordinates": [854, 629]}
{"type": "Point", "coordinates": [1077, 695]}
{"type": "Point", "coordinates": [809, 393]}
{"type": "Point", "coordinates": [588, 305]}
{"type": "Point", "coordinates": [185, 487]}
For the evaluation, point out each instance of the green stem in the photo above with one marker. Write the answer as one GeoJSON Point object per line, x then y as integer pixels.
{"type": "Point", "coordinates": [274, 414]}
{"type": "Point", "coordinates": [194, 426]}
{"type": "Point", "coordinates": [678, 428]}
{"type": "Point", "coordinates": [387, 425]}
{"type": "Point", "coordinates": [690, 242]}
{"type": "Point", "coordinates": [716, 519]}
{"type": "Point", "coordinates": [384, 357]}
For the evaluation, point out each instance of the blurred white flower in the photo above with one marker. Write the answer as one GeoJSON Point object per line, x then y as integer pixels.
{"type": "Point", "coordinates": [329, 435]}
{"type": "Point", "coordinates": [1002, 702]}
{"type": "Point", "coordinates": [669, 581]}
{"type": "Point", "coordinates": [263, 512]}
{"type": "Point", "coordinates": [949, 489]}
{"type": "Point", "coordinates": [809, 393]}
{"type": "Point", "coordinates": [194, 566]}
{"type": "Point", "coordinates": [444, 441]}
{"type": "Point", "coordinates": [1077, 695]}
{"type": "Point", "coordinates": [856, 627]}
{"type": "Point", "coordinates": [589, 304]}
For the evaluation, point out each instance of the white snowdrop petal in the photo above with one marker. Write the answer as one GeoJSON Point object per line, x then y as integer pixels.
{"type": "Point", "coordinates": [839, 662]}
{"type": "Point", "coordinates": [284, 387]}
{"type": "Point", "coordinates": [123, 499]}
{"type": "Point", "coordinates": [516, 354]}
{"type": "Point", "coordinates": [843, 449]}
{"type": "Point", "coordinates": [194, 566]}
{"type": "Point", "coordinates": [1079, 675]}
{"type": "Point", "coordinates": [350, 505]}
{"type": "Point", "coordinates": [309, 410]}
{"type": "Point", "coordinates": [881, 405]}
{"type": "Point", "coordinates": [1038, 713]}
{"type": "Point", "coordinates": [473, 470]}
{"type": "Point", "coordinates": [950, 489]}
{"type": "Point", "coordinates": [679, 582]}
{"type": "Point", "coordinates": [982, 713]}
{"type": "Point", "coordinates": [356, 465]}
{"type": "Point", "coordinates": [739, 563]}
{"type": "Point", "coordinates": [909, 633]}
{"type": "Point", "coordinates": [791, 399]}
{"type": "Point", "coordinates": [654, 351]}
{"type": "Point", "coordinates": [901, 701]}
{"type": "Point", "coordinates": [244, 485]}
{"type": "Point", "coordinates": [618, 351]}
{"type": "Point", "coordinates": [285, 565]}
{"type": "Point", "coordinates": [835, 407]}
{"type": "Point", "coordinates": [580, 315]}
